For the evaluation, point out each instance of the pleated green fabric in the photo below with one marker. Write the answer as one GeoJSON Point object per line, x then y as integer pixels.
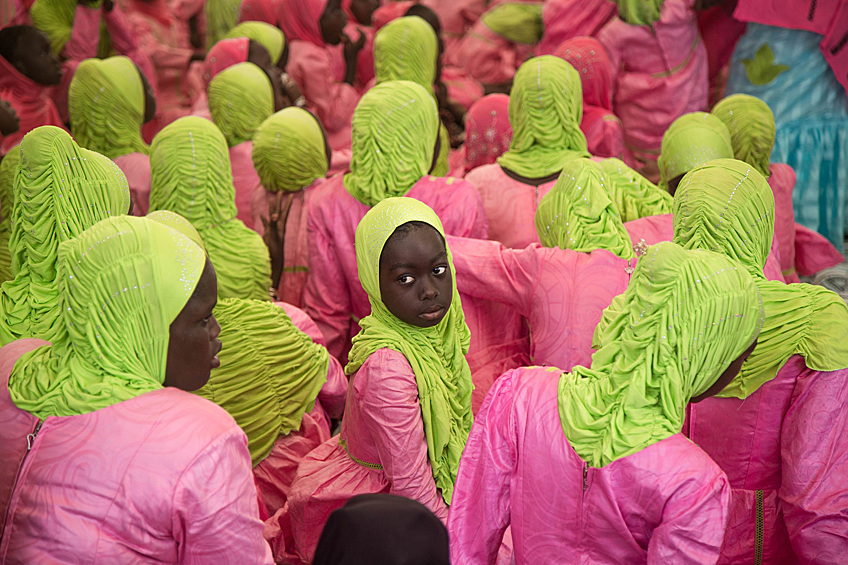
{"type": "Point", "coordinates": [240, 99]}
{"type": "Point", "coordinates": [545, 109]}
{"type": "Point", "coordinates": [221, 17]}
{"type": "Point", "coordinates": [634, 195]}
{"type": "Point", "coordinates": [190, 175]}
{"type": "Point", "coordinates": [519, 22]}
{"type": "Point", "coordinates": [578, 213]}
{"type": "Point", "coordinates": [406, 49]}
{"type": "Point", "coordinates": [289, 151]}
{"type": "Point", "coordinates": [751, 125]}
{"type": "Point", "coordinates": [271, 37]}
{"type": "Point", "coordinates": [121, 284]}
{"type": "Point", "coordinates": [728, 207]}
{"type": "Point", "coordinates": [177, 222]}
{"type": "Point", "coordinates": [270, 373]}
{"type": "Point", "coordinates": [436, 355]}
{"type": "Point", "coordinates": [56, 19]}
{"type": "Point", "coordinates": [8, 169]}
{"type": "Point", "coordinates": [60, 191]}
{"type": "Point", "coordinates": [685, 316]}
{"type": "Point", "coordinates": [639, 12]}
{"type": "Point", "coordinates": [394, 134]}
{"type": "Point", "coordinates": [106, 106]}
{"type": "Point", "coordinates": [690, 141]}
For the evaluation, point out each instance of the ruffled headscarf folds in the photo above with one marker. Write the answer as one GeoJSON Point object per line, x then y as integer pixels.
{"type": "Point", "coordinates": [56, 19]}
{"type": "Point", "coordinates": [300, 19]}
{"type": "Point", "coordinates": [221, 17]}
{"type": "Point", "coordinates": [685, 316]}
{"type": "Point", "coordinates": [578, 212]}
{"type": "Point", "coordinates": [8, 169]}
{"type": "Point", "coordinates": [690, 141]}
{"type": "Point", "coordinates": [224, 54]}
{"type": "Point", "coordinates": [751, 125]}
{"type": "Point", "coordinates": [270, 372]}
{"type": "Point", "coordinates": [240, 99]}
{"type": "Point", "coordinates": [639, 12]}
{"type": "Point", "coordinates": [436, 355]}
{"type": "Point", "coordinates": [518, 22]}
{"type": "Point", "coordinates": [728, 207]}
{"type": "Point", "coordinates": [267, 35]}
{"type": "Point", "coordinates": [545, 109]}
{"type": "Point", "coordinates": [191, 175]}
{"type": "Point", "coordinates": [394, 136]}
{"type": "Point", "coordinates": [106, 105]}
{"type": "Point", "coordinates": [406, 49]}
{"type": "Point", "coordinates": [121, 284]}
{"type": "Point", "coordinates": [288, 151]}
{"type": "Point", "coordinates": [635, 196]}
{"type": "Point", "coordinates": [60, 191]}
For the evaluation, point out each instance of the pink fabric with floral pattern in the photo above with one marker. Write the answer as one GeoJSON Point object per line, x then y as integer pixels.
{"type": "Point", "coordinates": [487, 131]}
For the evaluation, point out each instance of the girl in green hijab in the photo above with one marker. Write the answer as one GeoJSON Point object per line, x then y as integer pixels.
{"type": "Point", "coordinates": [271, 37]}
{"type": "Point", "coordinates": [240, 99]}
{"type": "Point", "coordinates": [690, 141]}
{"type": "Point", "coordinates": [191, 175]}
{"type": "Point", "coordinates": [72, 189]}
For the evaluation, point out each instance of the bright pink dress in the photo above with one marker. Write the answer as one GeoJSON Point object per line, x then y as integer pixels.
{"type": "Point", "coordinates": [813, 252]}
{"type": "Point", "coordinates": [565, 19]}
{"type": "Point", "coordinates": [488, 57]}
{"type": "Point", "coordinates": [667, 503]}
{"type": "Point", "coordinates": [136, 167]}
{"type": "Point", "coordinates": [785, 452]}
{"type": "Point", "coordinates": [245, 180]}
{"type": "Point", "coordinates": [383, 430]}
{"type": "Point", "coordinates": [661, 75]}
{"type": "Point", "coordinates": [119, 486]}
{"type": "Point", "coordinates": [31, 102]}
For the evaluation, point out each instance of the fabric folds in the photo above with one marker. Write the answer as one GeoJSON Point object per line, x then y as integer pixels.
{"type": "Point", "coordinates": [752, 131]}
{"type": "Point", "coordinates": [289, 151]}
{"type": "Point", "coordinates": [240, 99]}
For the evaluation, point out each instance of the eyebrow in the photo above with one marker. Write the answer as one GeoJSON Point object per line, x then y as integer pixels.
{"type": "Point", "coordinates": [411, 266]}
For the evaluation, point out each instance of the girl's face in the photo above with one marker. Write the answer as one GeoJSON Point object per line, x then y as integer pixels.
{"type": "Point", "coordinates": [416, 283]}
{"type": "Point", "coordinates": [333, 22]}
{"type": "Point", "coordinates": [35, 59]}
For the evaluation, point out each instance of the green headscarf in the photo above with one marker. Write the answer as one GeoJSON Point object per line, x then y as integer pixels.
{"type": "Point", "coordinates": [518, 22]}
{"type": "Point", "coordinates": [177, 222]}
{"type": "Point", "coordinates": [56, 19]}
{"type": "Point", "coordinates": [635, 196]}
{"type": "Point", "coordinates": [221, 17]}
{"type": "Point", "coordinates": [8, 169]}
{"type": "Point", "coordinates": [121, 284]}
{"type": "Point", "coordinates": [690, 141]}
{"type": "Point", "coordinates": [190, 174]}
{"type": "Point", "coordinates": [436, 355]}
{"type": "Point", "coordinates": [639, 12]}
{"type": "Point", "coordinates": [578, 212]}
{"type": "Point", "coordinates": [728, 207]}
{"type": "Point", "coordinates": [545, 109]}
{"type": "Point", "coordinates": [271, 37]}
{"type": "Point", "coordinates": [406, 49]}
{"type": "Point", "coordinates": [106, 105]}
{"type": "Point", "coordinates": [685, 316]}
{"type": "Point", "coordinates": [270, 372]}
{"type": "Point", "coordinates": [71, 189]}
{"type": "Point", "coordinates": [240, 99]}
{"type": "Point", "coordinates": [289, 151]}
{"type": "Point", "coordinates": [751, 125]}
{"type": "Point", "coordinates": [394, 134]}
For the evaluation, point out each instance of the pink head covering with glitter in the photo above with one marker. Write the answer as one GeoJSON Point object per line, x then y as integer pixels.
{"type": "Point", "coordinates": [300, 20]}
{"type": "Point", "coordinates": [488, 132]}
{"type": "Point", "coordinates": [590, 58]}
{"type": "Point", "coordinates": [224, 54]}
{"type": "Point", "coordinates": [267, 11]}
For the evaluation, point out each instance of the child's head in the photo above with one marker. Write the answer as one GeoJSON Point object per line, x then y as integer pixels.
{"type": "Point", "coordinates": [690, 141]}
{"type": "Point", "coordinates": [750, 122]}
{"type": "Point", "coordinates": [9, 122]}
{"type": "Point", "coordinates": [28, 50]}
{"type": "Point", "coordinates": [363, 10]}
{"type": "Point", "coordinates": [333, 21]}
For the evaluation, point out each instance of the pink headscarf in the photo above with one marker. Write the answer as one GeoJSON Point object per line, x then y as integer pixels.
{"type": "Point", "coordinates": [300, 19]}
{"type": "Point", "coordinates": [259, 11]}
{"type": "Point", "coordinates": [590, 58]}
{"type": "Point", "coordinates": [388, 12]}
{"type": "Point", "coordinates": [224, 54]}
{"type": "Point", "coordinates": [487, 130]}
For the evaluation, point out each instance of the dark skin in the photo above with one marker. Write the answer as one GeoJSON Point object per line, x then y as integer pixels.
{"type": "Point", "coordinates": [333, 22]}
{"type": "Point", "coordinates": [35, 59]}
{"type": "Point", "coordinates": [728, 375]}
{"type": "Point", "coordinates": [674, 183]}
{"type": "Point", "coordinates": [193, 343]}
{"type": "Point", "coordinates": [436, 151]}
{"type": "Point", "coordinates": [9, 122]}
{"type": "Point", "coordinates": [416, 283]}
{"type": "Point", "coordinates": [532, 182]}
{"type": "Point", "coordinates": [259, 56]}
{"type": "Point", "coordinates": [363, 10]}
{"type": "Point", "coordinates": [149, 97]}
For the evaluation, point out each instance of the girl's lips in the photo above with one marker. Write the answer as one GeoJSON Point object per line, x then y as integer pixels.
{"type": "Point", "coordinates": [432, 313]}
{"type": "Point", "coordinates": [216, 362]}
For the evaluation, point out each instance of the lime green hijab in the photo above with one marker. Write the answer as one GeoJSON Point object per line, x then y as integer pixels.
{"type": "Point", "coordinates": [121, 284]}
{"type": "Point", "coordinates": [106, 105]}
{"type": "Point", "coordinates": [578, 213]}
{"type": "Point", "coordinates": [518, 22]}
{"type": "Point", "coordinates": [56, 19]}
{"type": "Point", "coordinates": [271, 37]}
{"type": "Point", "coordinates": [394, 134]}
{"type": "Point", "coordinates": [406, 49]}
{"type": "Point", "coordinates": [692, 140]}
{"type": "Point", "coordinates": [685, 316]}
{"type": "Point", "coordinates": [289, 151]}
{"type": "Point", "coordinates": [8, 169]}
{"type": "Point", "coordinates": [240, 99]}
{"type": "Point", "coordinates": [270, 372]}
{"type": "Point", "coordinates": [190, 175]}
{"type": "Point", "coordinates": [639, 12]}
{"type": "Point", "coordinates": [727, 206]}
{"type": "Point", "coordinates": [72, 189]}
{"type": "Point", "coordinates": [221, 17]}
{"type": "Point", "coordinates": [751, 125]}
{"type": "Point", "coordinates": [177, 222]}
{"type": "Point", "coordinates": [634, 195]}
{"type": "Point", "coordinates": [436, 355]}
{"type": "Point", "coordinates": [545, 109]}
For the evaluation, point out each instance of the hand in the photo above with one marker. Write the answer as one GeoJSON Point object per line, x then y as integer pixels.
{"type": "Point", "coordinates": [352, 48]}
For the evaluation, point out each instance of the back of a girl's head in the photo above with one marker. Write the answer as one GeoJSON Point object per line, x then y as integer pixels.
{"type": "Point", "coordinates": [290, 151]}
{"type": "Point", "coordinates": [750, 122]}
{"type": "Point", "coordinates": [28, 50]}
{"type": "Point", "coordinates": [589, 57]}
{"type": "Point", "coordinates": [690, 141]}
{"type": "Point", "coordinates": [240, 99]}
{"type": "Point", "coordinates": [488, 132]}
{"type": "Point", "coordinates": [406, 49]}
{"type": "Point", "coordinates": [427, 14]}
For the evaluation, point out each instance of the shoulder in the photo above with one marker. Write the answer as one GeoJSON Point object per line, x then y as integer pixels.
{"type": "Point", "coordinates": [483, 172]}
{"type": "Point", "coordinates": [384, 370]}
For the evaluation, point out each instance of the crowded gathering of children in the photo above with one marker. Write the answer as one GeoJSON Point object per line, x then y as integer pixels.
{"type": "Point", "coordinates": [423, 281]}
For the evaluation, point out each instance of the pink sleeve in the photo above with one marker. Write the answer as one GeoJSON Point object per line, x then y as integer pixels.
{"type": "Point", "coordinates": [333, 101]}
{"type": "Point", "coordinates": [609, 36]}
{"type": "Point", "coordinates": [85, 35]}
{"type": "Point", "coordinates": [606, 138]}
{"type": "Point", "coordinates": [814, 454]}
{"type": "Point", "coordinates": [487, 269]}
{"type": "Point", "coordinates": [813, 252]}
{"type": "Point", "coordinates": [162, 56]}
{"type": "Point", "coordinates": [480, 510]}
{"type": "Point", "coordinates": [693, 522]}
{"type": "Point", "coordinates": [486, 56]}
{"type": "Point", "coordinates": [391, 412]}
{"type": "Point", "coordinates": [216, 511]}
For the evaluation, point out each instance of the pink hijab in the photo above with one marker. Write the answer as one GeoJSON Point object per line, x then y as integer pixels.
{"type": "Point", "coordinates": [300, 19]}
{"type": "Point", "coordinates": [590, 58]}
{"type": "Point", "coordinates": [224, 54]}
{"type": "Point", "coordinates": [487, 131]}
{"type": "Point", "coordinates": [267, 11]}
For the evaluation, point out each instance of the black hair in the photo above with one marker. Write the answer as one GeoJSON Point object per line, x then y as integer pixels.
{"type": "Point", "coordinates": [11, 37]}
{"type": "Point", "coordinates": [427, 14]}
